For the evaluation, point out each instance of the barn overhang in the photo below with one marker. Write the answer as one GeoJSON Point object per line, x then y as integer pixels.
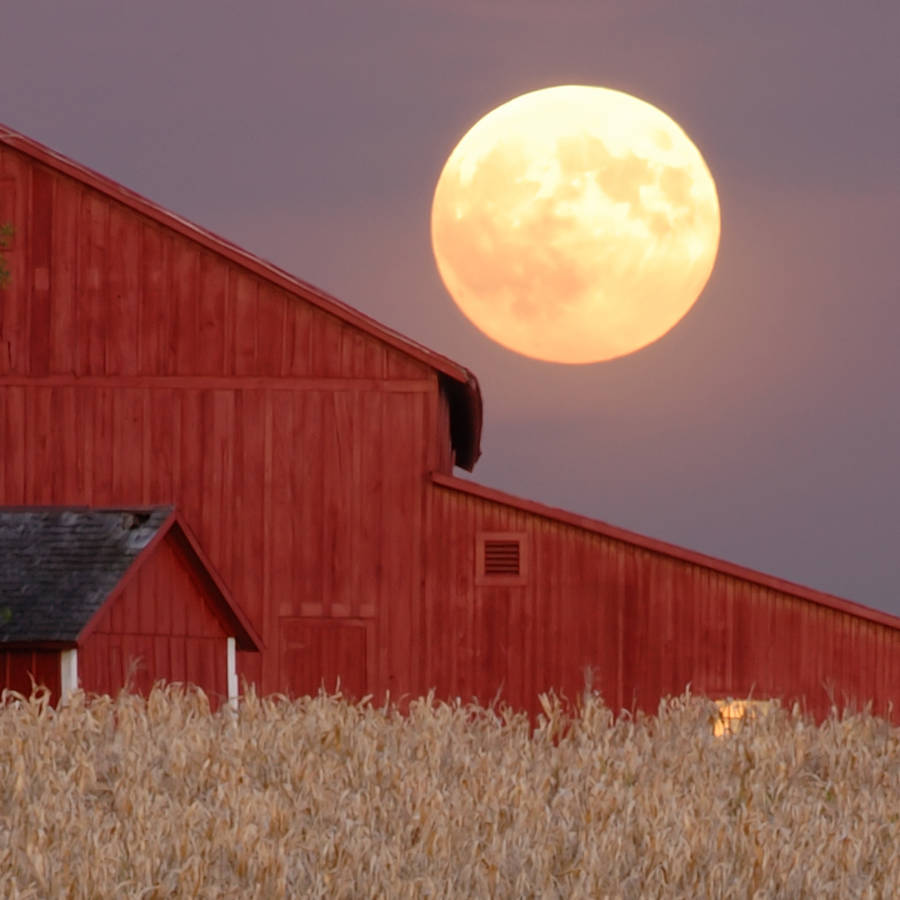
{"type": "Point", "coordinates": [40, 646]}
{"type": "Point", "coordinates": [466, 411]}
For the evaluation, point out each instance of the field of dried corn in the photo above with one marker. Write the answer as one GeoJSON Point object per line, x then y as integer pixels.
{"type": "Point", "coordinates": [320, 798]}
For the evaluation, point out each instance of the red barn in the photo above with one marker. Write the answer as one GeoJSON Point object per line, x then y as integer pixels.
{"type": "Point", "coordinates": [145, 361]}
{"type": "Point", "coordinates": [103, 597]}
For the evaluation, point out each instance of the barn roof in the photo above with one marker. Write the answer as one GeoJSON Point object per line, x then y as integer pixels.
{"type": "Point", "coordinates": [461, 385]}
{"type": "Point", "coordinates": [59, 566]}
{"type": "Point", "coordinates": [665, 549]}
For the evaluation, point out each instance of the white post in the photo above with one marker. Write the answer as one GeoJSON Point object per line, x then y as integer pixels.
{"type": "Point", "coordinates": [231, 674]}
{"type": "Point", "coordinates": [68, 673]}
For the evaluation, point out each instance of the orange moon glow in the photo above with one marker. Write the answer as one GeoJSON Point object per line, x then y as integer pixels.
{"type": "Point", "coordinates": [575, 224]}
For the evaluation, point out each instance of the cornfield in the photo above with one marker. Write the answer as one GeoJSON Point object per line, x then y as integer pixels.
{"type": "Point", "coordinates": [318, 797]}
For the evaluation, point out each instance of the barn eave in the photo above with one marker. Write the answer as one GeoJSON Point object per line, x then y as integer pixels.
{"type": "Point", "coordinates": [245, 635]}
{"type": "Point", "coordinates": [61, 567]}
{"type": "Point", "coordinates": [664, 548]}
{"type": "Point", "coordinates": [41, 644]}
{"type": "Point", "coordinates": [466, 412]}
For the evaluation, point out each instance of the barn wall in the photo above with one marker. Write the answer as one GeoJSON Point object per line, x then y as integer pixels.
{"type": "Point", "coordinates": [305, 501]}
{"type": "Point", "coordinates": [18, 667]}
{"type": "Point", "coordinates": [645, 623]}
{"type": "Point", "coordinates": [99, 289]}
{"type": "Point", "coordinates": [161, 626]}
{"type": "Point", "coordinates": [137, 368]}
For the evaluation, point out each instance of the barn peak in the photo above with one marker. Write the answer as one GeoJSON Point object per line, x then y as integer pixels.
{"type": "Point", "coordinates": [458, 383]}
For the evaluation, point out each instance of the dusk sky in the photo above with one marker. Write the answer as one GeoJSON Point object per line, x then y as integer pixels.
{"type": "Point", "coordinates": [762, 429]}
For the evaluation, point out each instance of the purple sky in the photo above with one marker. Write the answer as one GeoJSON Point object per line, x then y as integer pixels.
{"type": "Point", "coordinates": [763, 429]}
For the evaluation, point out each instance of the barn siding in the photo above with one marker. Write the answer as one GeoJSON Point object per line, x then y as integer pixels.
{"type": "Point", "coordinates": [265, 478]}
{"type": "Point", "coordinates": [161, 625]}
{"type": "Point", "coordinates": [19, 667]}
{"type": "Point", "coordinates": [646, 624]}
{"type": "Point", "coordinates": [99, 289]}
{"type": "Point", "coordinates": [328, 653]}
{"type": "Point", "coordinates": [184, 378]}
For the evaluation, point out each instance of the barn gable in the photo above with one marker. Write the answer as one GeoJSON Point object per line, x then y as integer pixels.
{"type": "Point", "coordinates": [100, 598]}
{"type": "Point", "coordinates": [106, 283]}
{"type": "Point", "coordinates": [61, 568]}
{"type": "Point", "coordinates": [58, 567]}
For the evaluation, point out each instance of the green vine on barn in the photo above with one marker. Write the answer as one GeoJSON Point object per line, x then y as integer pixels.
{"type": "Point", "coordinates": [6, 232]}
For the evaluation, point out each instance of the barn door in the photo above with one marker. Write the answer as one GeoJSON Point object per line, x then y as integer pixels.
{"type": "Point", "coordinates": [322, 652]}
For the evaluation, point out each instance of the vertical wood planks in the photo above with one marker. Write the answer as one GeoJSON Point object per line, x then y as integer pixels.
{"type": "Point", "coordinates": [64, 285]}
{"type": "Point", "coordinates": [163, 622]}
{"type": "Point", "coordinates": [20, 670]}
{"type": "Point", "coordinates": [123, 307]}
{"type": "Point", "coordinates": [324, 653]}
{"type": "Point", "coordinates": [154, 352]}
{"type": "Point", "coordinates": [655, 622]}
{"type": "Point", "coordinates": [286, 507]}
{"type": "Point", "coordinates": [39, 248]}
{"type": "Point", "coordinates": [15, 200]}
{"type": "Point", "coordinates": [270, 321]}
{"type": "Point", "coordinates": [209, 339]}
{"type": "Point", "coordinates": [243, 292]}
{"type": "Point", "coordinates": [92, 322]}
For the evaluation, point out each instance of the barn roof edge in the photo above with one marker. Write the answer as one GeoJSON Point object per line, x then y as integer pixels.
{"type": "Point", "coordinates": [123, 558]}
{"type": "Point", "coordinates": [59, 565]}
{"type": "Point", "coordinates": [249, 637]}
{"type": "Point", "coordinates": [664, 548]}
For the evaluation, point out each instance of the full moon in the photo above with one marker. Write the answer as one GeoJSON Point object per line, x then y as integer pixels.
{"type": "Point", "coordinates": [575, 224]}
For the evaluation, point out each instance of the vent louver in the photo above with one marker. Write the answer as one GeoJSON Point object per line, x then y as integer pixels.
{"type": "Point", "coordinates": [502, 557]}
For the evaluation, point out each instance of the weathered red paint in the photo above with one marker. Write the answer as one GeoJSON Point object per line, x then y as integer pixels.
{"type": "Point", "coordinates": [647, 618]}
{"type": "Point", "coordinates": [145, 361]}
{"type": "Point", "coordinates": [22, 669]}
{"type": "Point", "coordinates": [169, 618]}
{"type": "Point", "coordinates": [163, 623]}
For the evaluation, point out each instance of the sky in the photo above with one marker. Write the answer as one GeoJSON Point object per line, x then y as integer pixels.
{"type": "Point", "coordinates": [764, 429]}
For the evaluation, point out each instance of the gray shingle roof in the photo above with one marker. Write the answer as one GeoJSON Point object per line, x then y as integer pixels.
{"type": "Point", "coordinates": [58, 566]}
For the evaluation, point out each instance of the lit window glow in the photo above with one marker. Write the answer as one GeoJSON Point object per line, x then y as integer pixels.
{"type": "Point", "coordinates": [733, 714]}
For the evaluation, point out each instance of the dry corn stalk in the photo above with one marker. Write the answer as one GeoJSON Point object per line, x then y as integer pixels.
{"type": "Point", "coordinates": [322, 798]}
